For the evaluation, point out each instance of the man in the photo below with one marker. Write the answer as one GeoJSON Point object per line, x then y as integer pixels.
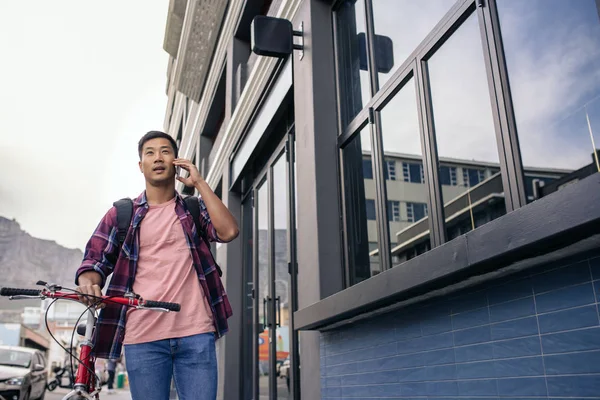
{"type": "Point", "coordinates": [163, 259]}
{"type": "Point", "coordinates": [111, 367]}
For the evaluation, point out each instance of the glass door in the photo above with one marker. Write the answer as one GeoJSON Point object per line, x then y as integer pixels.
{"type": "Point", "coordinates": [281, 278]}
{"type": "Point", "coordinates": [263, 300]}
{"type": "Point", "coordinates": [248, 343]}
{"type": "Point", "coordinates": [273, 288]}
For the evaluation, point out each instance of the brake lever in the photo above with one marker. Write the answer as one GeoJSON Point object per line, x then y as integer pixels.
{"type": "Point", "coordinates": [154, 309]}
{"type": "Point", "coordinates": [24, 297]}
{"type": "Point", "coordinates": [50, 286]}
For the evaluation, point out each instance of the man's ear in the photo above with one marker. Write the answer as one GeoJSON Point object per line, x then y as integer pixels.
{"type": "Point", "coordinates": [140, 165]}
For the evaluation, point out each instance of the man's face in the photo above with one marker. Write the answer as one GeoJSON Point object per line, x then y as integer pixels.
{"type": "Point", "coordinates": [157, 162]}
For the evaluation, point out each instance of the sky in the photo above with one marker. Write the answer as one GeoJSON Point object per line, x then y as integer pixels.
{"type": "Point", "coordinates": [81, 83]}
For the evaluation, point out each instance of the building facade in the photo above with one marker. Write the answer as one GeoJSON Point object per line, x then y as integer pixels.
{"type": "Point", "coordinates": [417, 191]}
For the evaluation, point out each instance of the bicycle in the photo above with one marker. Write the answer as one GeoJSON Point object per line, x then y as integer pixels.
{"type": "Point", "coordinates": [87, 385]}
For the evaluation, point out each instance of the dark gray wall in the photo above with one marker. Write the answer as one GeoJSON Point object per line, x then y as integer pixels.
{"type": "Point", "coordinates": [319, 256]}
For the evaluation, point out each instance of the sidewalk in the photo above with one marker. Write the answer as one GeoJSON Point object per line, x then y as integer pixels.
{"type": "Point", "coordinates": [120, 394]}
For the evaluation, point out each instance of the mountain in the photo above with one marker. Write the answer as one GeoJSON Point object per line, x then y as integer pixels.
{"type": "Point", "coordinates": [24, 260]}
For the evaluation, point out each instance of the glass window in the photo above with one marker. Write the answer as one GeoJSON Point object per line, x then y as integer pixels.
{"type": "Point", "coordinates": [390, 170]}
{"type": "Point", "coordinates": [472, 176]}
{"type": "Point", "coordinates": [464, 127]}
{"type": "Point", "coordinates": [371, 210]}
{"type": "Point", "coordinates": [248, 301]}
{"type": "Point", "coordinates": [374, 258]}
{"type": "Point", "coordinates": [552, 50]}
{"type": "Point", "coordinates": [534, 184]}
{"type": "Point", "coordinates": [448, 176]}
{"type": "Point", "coordinates": [361, 224]}
{"type": "Point", "coordinates": [416, 211]}
{"type": "Point", "coordinates": [262, 286]}
{"type": "Point", "coordinates": [282, 276]}
{"type": "Point", "coordinates": [400, 25]}
{"type": "Point", "coordinates": [14, 358]}
{"type": "Point", "coordinates": [367, 168]}
{"type": "Point", "coordinates": [394, 211]}
{"type": "Point", "coordinates": [413, 172]}
{"type": "Point", "coordinates": [352, 60]}
{"type": "Point", "coordinates": [402, 145]}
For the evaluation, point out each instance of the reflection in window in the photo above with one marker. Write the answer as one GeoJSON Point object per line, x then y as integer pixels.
{"type": "Point", "coordinates": [533, 185]}
{"type": "Point", "coordinates": [416, 211]}
{"type": "Point", "coordinates": [390, 170]}
{"type": "Point", "coordinates": [400, 25]}
{"type": "Point", "coordinates": [464, 129]}
{"type": "Point", "coordinates": [262, 287]}
{"type": "Point", "coordinates": [361, 224]}
{"type": "Point", "coordinates": [448, 176]}
{"type": "Point", "coordinates": [282, 276]}
{"type": "Point", "coordinates": [353, 74]}
{"type": "Point", "coordinates": [552, 50]}
{"type": "Point", "coordinates": [413, 172]}
{"type": "Point", "coordinates": [393, 211]}
{"type": "Point", "coordinates": [247, 301]}
{"type": "Point", "coordinates": [367, 168]}
{"type": "Point", "coordinates": [371, 210]}
{"type": "Point", "coordinates": [472, 176]}
{"type": "Point", "coordinates": [402, 145]}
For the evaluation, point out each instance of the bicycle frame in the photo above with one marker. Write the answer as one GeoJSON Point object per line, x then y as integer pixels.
{"type": "Point", "coordinates": [85, 382]}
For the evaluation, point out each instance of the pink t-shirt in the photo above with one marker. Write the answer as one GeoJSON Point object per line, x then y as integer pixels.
{"type": "Point", "coordinates": [165, 273]}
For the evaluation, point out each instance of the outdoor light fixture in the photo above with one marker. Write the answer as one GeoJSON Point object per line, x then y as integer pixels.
{"type": "Point", "coordinates": [384, 53]}
{"type": "Point", "coordinates": [274, 37]}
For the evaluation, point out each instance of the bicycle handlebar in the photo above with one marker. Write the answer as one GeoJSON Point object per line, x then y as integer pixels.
{"type": "Point", "coordinates": [19, 292]}
{"type": "Point", "coordinates": [126, 301]}
{"type": "Point", "coordinates": [161, 304]}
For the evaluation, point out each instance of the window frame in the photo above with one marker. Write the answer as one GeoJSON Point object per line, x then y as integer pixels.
{"type": "Point", "coordinates": [415, 66]}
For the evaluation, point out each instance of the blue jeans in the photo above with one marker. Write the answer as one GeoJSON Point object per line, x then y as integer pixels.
{"type": "Point", "coordinates": [191, 362]}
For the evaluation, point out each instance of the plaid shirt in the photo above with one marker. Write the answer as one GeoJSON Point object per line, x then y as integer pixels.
{"type": "Point", "coordinates": [102, 255]}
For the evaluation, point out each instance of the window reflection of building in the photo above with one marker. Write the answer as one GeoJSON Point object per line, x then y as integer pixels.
{"type": "Point", "coordinates": [407, 201]}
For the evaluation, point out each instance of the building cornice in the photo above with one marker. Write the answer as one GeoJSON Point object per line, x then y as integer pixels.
{"type": "Point", "coordinates": [174, 26]}
{"type": "Point", "coordinates": [201, 26]}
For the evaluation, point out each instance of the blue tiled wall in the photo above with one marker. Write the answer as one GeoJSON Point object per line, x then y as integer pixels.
{"type": "Point", "coordinates": [531, 335]}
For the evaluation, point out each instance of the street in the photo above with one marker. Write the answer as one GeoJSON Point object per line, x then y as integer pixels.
{"type": "Point", "coordinates": [59, 393]}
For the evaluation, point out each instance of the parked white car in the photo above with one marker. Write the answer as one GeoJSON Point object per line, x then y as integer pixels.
{"type": "Point", "coordinates": [22, 373]}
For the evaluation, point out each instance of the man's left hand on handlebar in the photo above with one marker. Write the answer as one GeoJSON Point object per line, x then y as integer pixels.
{"type": "Point", "coordinates": [89, 284]}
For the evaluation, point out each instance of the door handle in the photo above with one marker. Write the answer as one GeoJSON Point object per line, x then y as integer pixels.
{"type": "Point", "coordinates": [265, 316]}
{"type": "Point", "coordinates": [278, 311]}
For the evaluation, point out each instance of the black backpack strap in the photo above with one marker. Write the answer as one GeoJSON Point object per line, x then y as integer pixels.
{"type": "Point", "coordinates": [193, 206]}
{"type": "Point", "coordinates": [124, 213]}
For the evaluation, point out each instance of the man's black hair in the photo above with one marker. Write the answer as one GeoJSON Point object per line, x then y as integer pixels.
{"type": "Point", "coordinates": [154, 135]}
